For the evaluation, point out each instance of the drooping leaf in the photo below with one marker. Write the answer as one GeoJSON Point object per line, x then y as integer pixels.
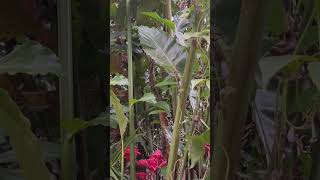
{"type": "Point", "coordinates": [163, 49]}
{"type": "Point", "coordinates": [197, 146]}
{"type": "Point", "coordinates": [269, 66]}
{"type": "Point", "coordinates": [121, 117]}
{"type": "Point", "coordinates": [75, 125]}
{"type": "Point", "coordinates": [148, 97]}
{"type": "Point", "coordinates": [166, 83]}
{"type": "Point", "coordinates": [24, 142]}
{"type": "Point", "coordinates": [314, 70]}
{"type": "Point", "coordinates": [156, 112]}
{"type": "Point", "coordinates": [156, 17]}
{"type": "Point", "coordinates": [31, 58]}
{"type": "Point", "coordinates": [163, 105]}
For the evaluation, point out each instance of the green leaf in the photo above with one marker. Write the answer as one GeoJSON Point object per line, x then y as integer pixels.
{"type": "Point", "coordinates": [121, 117]}
{"type": "Point", "coordinates": [148, 98]}
{"type": "Point", "coordinates": [314, 70]}
{"type": "Point", "coordinates": [288, 64]}
{"type": "Point", "coordinates": [163, 49]}
{"type": "Point", "coordinates": [197, 146]}
{"type": "Point", "coordinates": [156, 17]}
{"type": "Point", "coordinates": [31, 58]}
{"type": "Point", "coordinates": [163, 105]}
{"type": "Point", "coordinates": [24, 142]}
{"type": "Point", "coordinates": [119, 80]}
{"type": "Point", "coordinates": [166, 83]}
{"type": "Point", "coordinates": [74, 126]}
{"type": "Point", "coordinates": [196, 82]}
{"type": "Point", "coordinates": [156, 112]}
{"type": "Point", "coordinates": [197, 149]}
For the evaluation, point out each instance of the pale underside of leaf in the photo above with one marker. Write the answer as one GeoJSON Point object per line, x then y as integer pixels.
{"type": "Point", "coordinates": [162, 48]}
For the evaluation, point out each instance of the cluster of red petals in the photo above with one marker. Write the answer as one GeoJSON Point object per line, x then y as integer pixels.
{"type": "Point", "coordinates": [141, 176]}
{"type": "Point", "coordinates": [153, 163]}
{"type": "Point", "coordinates": [127, 153]}
{"type": "Point", "coordinates": [207, 149]}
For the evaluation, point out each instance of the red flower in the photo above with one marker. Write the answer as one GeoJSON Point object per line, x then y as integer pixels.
{"type": "Point", "coordinates": [156, 161]}
{"type": "Point", "coordinates": [127, 153]}
{"type": "Point", "coordinates": [142, 163]}
{"type": "Point", "coordinates": [207, 149]}
{"type": "Point", "coordinates": [141, 176]}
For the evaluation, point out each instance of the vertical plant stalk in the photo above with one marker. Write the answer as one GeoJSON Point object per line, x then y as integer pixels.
{"type": "Point", "coordinates": [182, 96]}
{"type": "Point", "coordinates": [163, 115]}
{"type": "Point", "coordinates": [68, 153]}
{"type": "Point", "coordinates": [169, 15]}
{"type": "Point", "coordinates": [239, 91]}
{"type": "Point", "coordinates": [130, 78]}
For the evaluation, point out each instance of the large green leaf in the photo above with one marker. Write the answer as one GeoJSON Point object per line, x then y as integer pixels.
{"type": "Point", "coordinates": [269, 66]}
{"type": "Point", "coordinates": [121, 117]}
{"type": "Point", "coordinates": [197, 146]}
{"type": "Point", "coordinates": [23, 141]}
{"type": "Point", "coordinates": [31, 58]}
{"type": "Point", "coordinates": [314, 70]}
{"type": "Point", "coordinates": [163, 49]}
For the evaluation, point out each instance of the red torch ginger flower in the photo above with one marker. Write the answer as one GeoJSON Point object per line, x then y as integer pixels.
{"type": "Point", "coordinates": [141, 176]}
{"type": "Point", "coordinates": [142, 163]}
{"type": "Point", "coordinates": [127, 153]}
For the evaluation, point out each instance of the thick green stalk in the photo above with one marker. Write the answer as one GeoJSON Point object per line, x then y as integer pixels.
{"type": "Point", "coordinates": [169, 14]}
{"type": "Point", "coordinates": [239, 90]}
{"type": "Point", "coordinates": [130, 78]}
{"type": "Point", "coordinates": [68, 153]}
{"type": "Point", "coordinates": [183, 92]}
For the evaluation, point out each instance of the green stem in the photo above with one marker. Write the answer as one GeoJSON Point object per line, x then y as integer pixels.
{"type": "Point", "coordinates": [122, 158]}
{"type": "Point", "coordinates": [130, 78]}
{"type": "Point", "coordinates": [183, 92]}
{"type": "Point", "coordinates": [191, 132]}
{"type": "Point", "coordinates": [239, 90]}
{"type": "Point", "coordinates": [169, 15]}
{"type": "Point", "coordinates": [68, 153]}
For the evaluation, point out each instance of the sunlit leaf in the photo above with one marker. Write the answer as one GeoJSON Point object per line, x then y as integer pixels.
{"type": "Point", "coordinates": [119, 80]}
{"type": "Point", "coordinates": [148, 98]}
{"type": "Point", "coordinates": [121, 117]}
{"type": "Point", "coordinates": [156, 17]}
{"type": "Point", "coordinates": [163, 49]}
